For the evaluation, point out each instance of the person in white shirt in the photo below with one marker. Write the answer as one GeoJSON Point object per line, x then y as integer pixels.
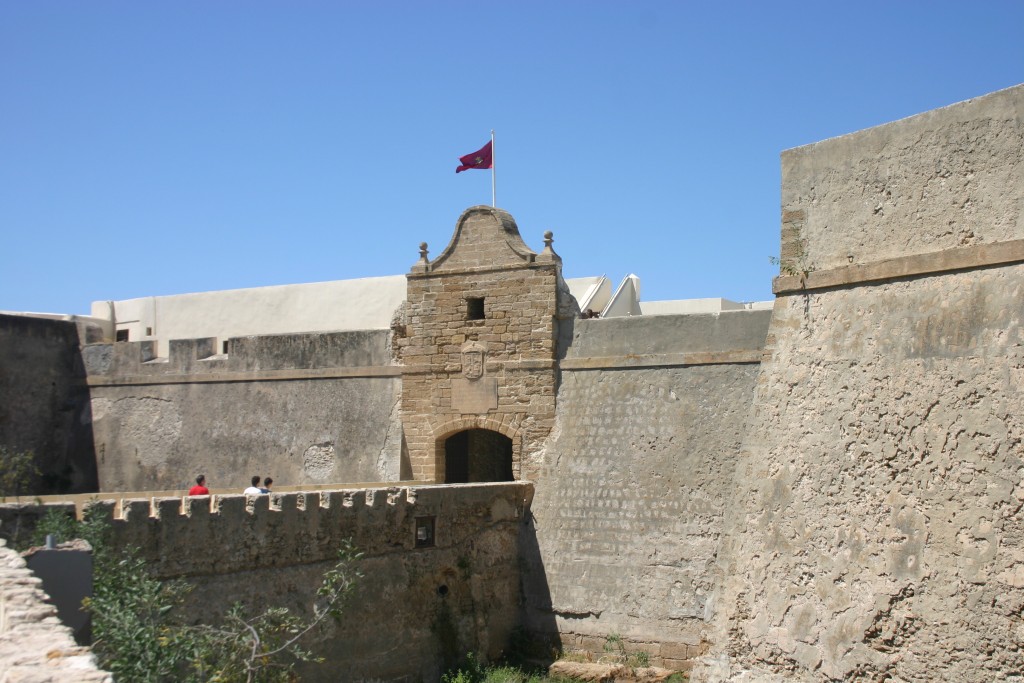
{"type": "Point", "coordinates": [254, 488]}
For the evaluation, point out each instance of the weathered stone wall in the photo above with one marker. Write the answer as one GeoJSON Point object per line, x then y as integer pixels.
{"type": "Point", "coordinates": [877, 529]}
{"type": "Point", "coordinates": [944, 179]}
{"type": "Point", "coordinates": [416, 611]}
{"type": "Point", "coordinates": [312, 408]}
{"type": "Point", "coordinates": [492, 370]}
{"type": "Point", "coordinates": [636, 479]}
{"type": "Point", "coordinates": [42, 401]}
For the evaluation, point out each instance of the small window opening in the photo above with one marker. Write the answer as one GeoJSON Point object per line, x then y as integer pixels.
{"type": "Point", "coordinates": [122, 335]}
{"type": "Point", "coordinates": [475, 308]}
{"type": "Point", "coordinates": [149, 331]}
{"type": "Point", "coordinates": [224, 347]}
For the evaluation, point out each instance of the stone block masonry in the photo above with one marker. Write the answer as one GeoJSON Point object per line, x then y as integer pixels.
{"type": "Point", "coordinates": [834, 497]}
{"type": "Point", "coordinates": [479, 349]}
{"type": "Point", "coordinates": [34, 646]}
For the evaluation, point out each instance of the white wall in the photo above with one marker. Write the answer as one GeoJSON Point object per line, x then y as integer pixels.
{"type": "Point", "coordinates": [362, 304]}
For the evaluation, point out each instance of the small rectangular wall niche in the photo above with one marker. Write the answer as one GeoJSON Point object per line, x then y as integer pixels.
{"type": "Point", "coordinates": [121, 336]}
{"type": "Point", "coordinates": [475, 308]}
{"type": "Point", "coordinates": [424, 532]}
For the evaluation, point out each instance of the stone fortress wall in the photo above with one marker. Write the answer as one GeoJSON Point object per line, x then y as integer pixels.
{"type": "Point", "coordinates": [825, 491]}
{"type": "Point", "coordinates": [304, 408]}
{"type": "Point", "coordinates": [43, 400]}
{"type": "Point", "coordinates": [634, 484]}
{"type": "Point", "coordinates": [877, 531]}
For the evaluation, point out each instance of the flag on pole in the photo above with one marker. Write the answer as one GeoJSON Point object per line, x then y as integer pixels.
{"type": "Point", "coordinates": [482, 159]}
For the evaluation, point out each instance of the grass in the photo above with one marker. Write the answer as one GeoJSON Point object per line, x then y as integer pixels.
{"type": "Point", "coordinates": [473, 672]}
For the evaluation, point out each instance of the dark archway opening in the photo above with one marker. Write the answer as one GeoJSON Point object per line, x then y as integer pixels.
{"type": "Point", "coordinates": [477, 455]}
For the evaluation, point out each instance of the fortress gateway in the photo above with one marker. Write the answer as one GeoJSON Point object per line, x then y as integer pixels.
{"type": "Point", "coordinates": [829, 488]}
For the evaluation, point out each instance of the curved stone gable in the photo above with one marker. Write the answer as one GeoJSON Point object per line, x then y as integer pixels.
{"type": "Point", "coordinates": [484, 237]}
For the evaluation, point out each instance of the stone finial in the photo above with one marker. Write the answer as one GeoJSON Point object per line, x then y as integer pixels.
{"type": "Point", "coordinates": [548, 254]}
{"type": "Point", "coordinates": [423, 265]}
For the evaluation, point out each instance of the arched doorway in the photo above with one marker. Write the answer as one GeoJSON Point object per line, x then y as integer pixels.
{"type": "Point", "coordinates": [477, 455]}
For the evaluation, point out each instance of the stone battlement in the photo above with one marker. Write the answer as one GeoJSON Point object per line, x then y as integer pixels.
{"type": "Point", "coordinates": [287, 529]}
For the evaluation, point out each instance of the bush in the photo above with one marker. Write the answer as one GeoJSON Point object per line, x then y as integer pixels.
{"type": "Point", "coordinates": [60, 524]}
{"type": "Point", "coordinates": [17, 469]}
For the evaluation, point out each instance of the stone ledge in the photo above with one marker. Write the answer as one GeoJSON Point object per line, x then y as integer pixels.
{"type": "Point", "coordinates": [477, 270]}
{"type": "Point", "coordinates": [962, 258]}
{"type": "Point", "coordinates": [252, 376]}
{"type": "Point", "coordinates": [663, 360]}
{"type": "Point", "coordinates": [492, 367]}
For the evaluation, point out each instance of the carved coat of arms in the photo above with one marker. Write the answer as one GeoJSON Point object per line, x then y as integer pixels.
{"type": "Point", "coordinates": [473, 359]}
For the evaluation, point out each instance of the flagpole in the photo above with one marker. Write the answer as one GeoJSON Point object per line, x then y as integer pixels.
{"type": "Point", "coordinates": [494, 195]}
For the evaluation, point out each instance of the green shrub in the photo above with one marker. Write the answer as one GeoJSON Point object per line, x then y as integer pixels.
{"type": "Point", "coordinates": [61, 524]}
{"type": "Point", "coordinates": [17, 469]}
{"type": "Point", "coordinates": [470, 671]}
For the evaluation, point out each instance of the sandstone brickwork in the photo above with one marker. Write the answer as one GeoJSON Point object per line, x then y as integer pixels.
{"type": "Point", "coordinates": [491, 367]}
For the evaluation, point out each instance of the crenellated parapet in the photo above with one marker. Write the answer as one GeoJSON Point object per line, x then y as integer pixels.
{"type": "Point", "coordinates": [224, 534]}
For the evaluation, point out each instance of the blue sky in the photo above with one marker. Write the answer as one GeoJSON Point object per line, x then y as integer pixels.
{"type": "Point", "coordinates": [160, 148]}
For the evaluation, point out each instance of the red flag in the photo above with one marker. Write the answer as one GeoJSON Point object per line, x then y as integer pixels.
{"type": "Point", "coordinates": [479, 159]}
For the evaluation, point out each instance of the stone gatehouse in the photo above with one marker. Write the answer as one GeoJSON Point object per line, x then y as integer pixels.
{"type": "Point", "coordinates": [478, 346]}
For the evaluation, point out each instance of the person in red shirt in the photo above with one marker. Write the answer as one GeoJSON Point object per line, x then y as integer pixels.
{"type": "Point", "coordinates": [200, 488]}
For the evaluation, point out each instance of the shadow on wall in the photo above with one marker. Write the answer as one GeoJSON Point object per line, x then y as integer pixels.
{"type": "Point", "coordinates": [405, 465]}
{"type": "Point", "coordinates": [44, 403]}
{"type": "Point", "coordinates": [538, 641]}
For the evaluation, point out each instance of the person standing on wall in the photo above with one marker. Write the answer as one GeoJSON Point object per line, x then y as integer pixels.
{"type": "Point", "coordinates": [200, 488]}
{"type": "Point", "coordinates": [254, 487]}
